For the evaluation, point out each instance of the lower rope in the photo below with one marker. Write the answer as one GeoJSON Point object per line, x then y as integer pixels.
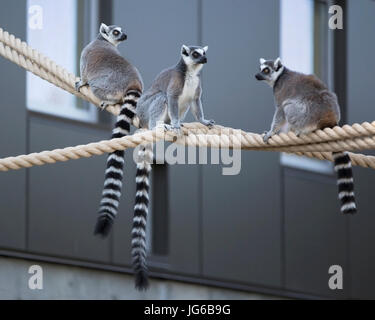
{"type": "Point", "coordinates": [223, 140]}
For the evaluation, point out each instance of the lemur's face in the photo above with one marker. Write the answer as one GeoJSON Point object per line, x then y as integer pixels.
{"type": "Point", "coordinates": [112, 34]}
{"type": "Point", "coordinates": [269, 71]}
{"type": "Point", "coordinates": [194, 55]}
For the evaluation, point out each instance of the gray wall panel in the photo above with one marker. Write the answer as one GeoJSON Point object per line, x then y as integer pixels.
{"type": "Point", "coordinates": [315, 234]}
{"type": "Point", "coordinates": [184, 218]}
{"type": "Point", "coordinates": [12, 133]}
{"type": "Point", "coordinates": [64, 197]}
{"type": "Point", "coordinates": [361, 107]}
{"type": "Point", "coordinates": [361, 95]}
{"type": "Point", "coordinates": [241, 214]}
{"type": "Point", "coordinates": [362, 236]}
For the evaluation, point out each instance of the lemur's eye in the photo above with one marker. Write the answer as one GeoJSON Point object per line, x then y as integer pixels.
{"type": "Point", "coordinates": [266, 70]}
{"type": "Point", "coordinates": [196, 55]}
{"type": "Point", "coordinates": [116, 33]}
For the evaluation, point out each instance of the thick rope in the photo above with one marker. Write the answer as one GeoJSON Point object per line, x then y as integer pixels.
{"type": "Point", "coordinates": [234, 141]}
{"type": "Point", "coordinates": [318, 144]}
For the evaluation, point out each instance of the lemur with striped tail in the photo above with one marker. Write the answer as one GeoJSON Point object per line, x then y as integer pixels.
{"type": "Point", "coordinates": [113, 80]}
{"type": "Point", "coordinates": [166, 102]}
{"type": "Point", "coordinates": [304, 104]}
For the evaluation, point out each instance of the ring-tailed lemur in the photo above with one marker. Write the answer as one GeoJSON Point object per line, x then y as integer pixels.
{"type": "Point", "coordinates": [174, 91]}
{"type": "Point", "coordinates": [167, 101]}
{"type": "Point", "coordinates": [113, 80]}
{"type": "Point", "coordinates": [304, 104]}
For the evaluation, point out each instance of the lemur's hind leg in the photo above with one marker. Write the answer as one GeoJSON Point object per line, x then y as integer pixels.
{"type": "Point", "coordinates": [296, 112]}
{"type": "Point", "coordinates": [104, 103]}
{"type": "Point", "coordinates": [158, 112]}
{"type": "Point", "coordinates": [107, 98]}
{"type": "Point", "coordinates": [305, 130]}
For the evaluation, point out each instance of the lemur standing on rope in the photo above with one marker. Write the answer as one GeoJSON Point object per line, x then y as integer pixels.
{"type": "Point", "coordinates": [305, 104]}
{"type": "Point", "coordinates": [113, 80]}
{"type": "Point", "coordinates": [165, 103]}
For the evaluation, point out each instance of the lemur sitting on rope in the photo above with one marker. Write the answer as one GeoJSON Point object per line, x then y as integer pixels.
{"type": "Point", "coordinates": [113, 80]}
{"type": "Point", "coordinates": [165, 103]}
{"type": "Point", "coordinates": [305, 104]}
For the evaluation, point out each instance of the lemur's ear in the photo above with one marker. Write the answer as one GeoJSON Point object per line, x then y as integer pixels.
{"type": "Point", "coordinates": [205, 48]}
{"type": "Point", "coordinates": [103, 28]}
{"type": "Point", "coordinates": [277, 64]}
{"type": "Point", "coordinates": [262, 61]}
{"type": "Point", "coordinates": [185, 50]}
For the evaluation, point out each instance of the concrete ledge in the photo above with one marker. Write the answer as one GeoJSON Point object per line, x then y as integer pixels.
{"type": "Point", "coordinates": [69, 282]}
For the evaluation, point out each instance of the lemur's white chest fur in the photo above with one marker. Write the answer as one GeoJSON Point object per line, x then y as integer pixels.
{"type": "Point", "coordinates": [188, 92]}
{"type": "Point", "coordinates": [190, 86]}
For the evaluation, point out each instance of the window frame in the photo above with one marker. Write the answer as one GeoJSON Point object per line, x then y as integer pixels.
{"type": "Point", "coordinates": [90, 13]}
{"type": "Point", "coordinates": [327, 62]}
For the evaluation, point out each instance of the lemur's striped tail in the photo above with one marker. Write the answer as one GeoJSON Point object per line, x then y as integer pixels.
{"type": "Point", "coordinates": [139, 254]}
{"type": "Point", "coordinates": [115, 163]}
{"type": "Point", "coordinates": [343, 167]}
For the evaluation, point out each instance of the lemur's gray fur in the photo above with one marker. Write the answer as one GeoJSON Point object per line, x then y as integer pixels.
{"type": "Point", "coordinates": [304, 104]}
{"type": "Point", "coordinates": [113, 80]}
{"type": "Point", "coordinates": [166, 102]}
{"type": "Point", "coordinates": [174, 91]}
{"type": "Point", "coordinates": [103, 68]}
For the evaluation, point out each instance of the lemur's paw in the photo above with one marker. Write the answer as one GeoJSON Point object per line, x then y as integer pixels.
{"type": "Point", "coordinates": [267, 136]}
{"type": "Point", "coordinates": [78, 86]}
{"type": "Point", "coordinates": [208, 123]}
{"type": "Point", "coordinates": [174, 128]}
{"type": "Point", "coordinates": [177, 130]}
{"type": "Point", "coordinates": [166, 127]}
{"type": "Point", "coordinates": [104, 105]}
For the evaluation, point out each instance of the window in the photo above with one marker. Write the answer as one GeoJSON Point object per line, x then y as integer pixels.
{"type": "Point", "coordinates": [59, 38]}
{"type": "Point", "coordinates": [305, 47]}
{"type": "Point", "coordinates": [297, 36]}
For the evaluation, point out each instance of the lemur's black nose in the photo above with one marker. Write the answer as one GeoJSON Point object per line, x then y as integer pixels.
{"type": "Point", "coordinates": [204, 60]}
{"type": "Point", "coordinates": [258, 77]}
{"type": "Point", "coordinates": [123, 37]}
